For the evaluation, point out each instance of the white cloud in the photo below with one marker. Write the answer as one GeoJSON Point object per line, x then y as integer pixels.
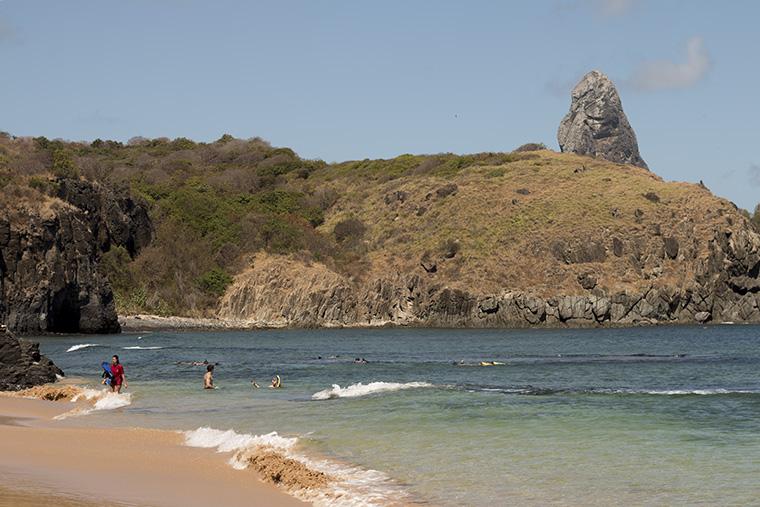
{"type": "Point", "coordinates": [663, 74]}
{"type": "Point", "coordinates": [613, 7]}
{"type": "Point", "coordinates": [606, 8]}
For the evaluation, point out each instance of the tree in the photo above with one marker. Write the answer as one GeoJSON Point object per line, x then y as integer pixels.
{"type": "Point", "coordinates": [63, 165]}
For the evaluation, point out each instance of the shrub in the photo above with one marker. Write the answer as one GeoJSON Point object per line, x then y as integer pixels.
{"type": "Point", "coordinates": [41, 142]}
{"type": "Point", "coordinates": [349, 229]}
{"type": "Point", "coordinates": [281, 236]}
{"type": "Point", "coordinates": [114, 264]}
{"type": "Point", "coordinates": [214, 281]}
{"type": "Point", "coordinates": [63, 166]}
{"type": "Point", "coordinates": [531, 147]}
{"type": "Point", "coordinates": [450, 248]}
{"type": "Point", "coordinates": [183, 143]}
{"type": "Point", "coordinates": [43, 185]}
{"type": "Point", "coordinates": [651, 196]}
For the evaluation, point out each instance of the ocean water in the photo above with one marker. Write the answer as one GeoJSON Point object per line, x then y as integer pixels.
{"type": "Point", "coordinates": [642, 416]}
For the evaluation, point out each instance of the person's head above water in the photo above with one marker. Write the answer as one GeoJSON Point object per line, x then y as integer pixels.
{"type": "Point", "coordinates": [210, 368]}
{"type": "Point", "coordinates": [115, 359]}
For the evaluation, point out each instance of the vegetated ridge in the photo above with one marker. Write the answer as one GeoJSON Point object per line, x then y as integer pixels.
{"type": "Point", "coordinates": [246, 231]}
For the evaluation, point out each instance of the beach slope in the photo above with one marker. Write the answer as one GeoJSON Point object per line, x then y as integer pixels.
{"type": "Point", "coordinates": [41, 457]}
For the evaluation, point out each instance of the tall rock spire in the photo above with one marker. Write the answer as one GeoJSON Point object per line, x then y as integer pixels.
{"type": "Point", "coordinates": [596, 124]}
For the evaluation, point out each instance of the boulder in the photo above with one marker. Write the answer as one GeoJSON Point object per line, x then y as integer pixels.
{"type": "Point", "coordinates": [489, 305]}
{"type": "Point", "coordinates": [596, 124]}
{"type": "Point", "coordinates": [587, 280]}
{"type": "Point", "coordinates": [671, 247]}
{"type": "Point", "coordinates": [22, 365]}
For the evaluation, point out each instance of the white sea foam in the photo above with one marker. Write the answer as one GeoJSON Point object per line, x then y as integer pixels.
{"type": "Point", "coordinates": [82, 346]}
{"type": "Point", "coordinates": [350, 486]}
{"type": "Point", "coordinates": [230, 441]}
{"type": "Point", "coordinates": [138, 347]}
{"type": "Point", "coordinates": [701, 392]}
{"type": "Point", "coordinates": [359, 389]}
{"type": "Point", "coordinates": [101, 399]}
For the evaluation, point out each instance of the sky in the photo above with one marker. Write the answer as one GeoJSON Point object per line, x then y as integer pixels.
{"type": "Point", "coordinates": [344, 80]}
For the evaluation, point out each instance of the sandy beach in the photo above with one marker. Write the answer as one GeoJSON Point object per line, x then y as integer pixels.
{"type": "Point", "coordinates": [46, 462]}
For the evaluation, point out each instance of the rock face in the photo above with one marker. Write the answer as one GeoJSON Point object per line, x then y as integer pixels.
{"type": "Point", "coordinates": [596, 124]}
{"type": "Point", "coordinates": [49, 254]}
{"type": "Point", "coordinates": [279, 291]}
{"type": "Point", "coordinates": [21, 364]}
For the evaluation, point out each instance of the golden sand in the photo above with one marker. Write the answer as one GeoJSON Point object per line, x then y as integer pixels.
{"type": "Point", "coordinates": [129, 466]}
{"type": "Point", "coordinates": [50, 392]}
{"type": "Point", "coordinates": [286, 472]}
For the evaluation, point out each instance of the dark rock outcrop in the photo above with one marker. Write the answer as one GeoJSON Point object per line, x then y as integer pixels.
{"type": "Point", "coordinates": [22, 365]}
{"type": "Point", "coordinates": [726, 288]}
{"type": "Point", "coordinates": [596, 124]}
{"type": "Point", "coordinates": [49, 278]}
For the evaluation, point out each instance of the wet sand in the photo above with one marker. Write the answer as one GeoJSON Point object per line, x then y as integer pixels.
{"type": "Point", "coordinates": [13, 497]}
{"type": "Point", "coordinates": [42, 459]}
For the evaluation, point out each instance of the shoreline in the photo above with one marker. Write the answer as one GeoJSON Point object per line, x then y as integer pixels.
{"type": "Point", "coordinates": [136, 323]}
{"type": "Point", "coordinates": [80, 466]}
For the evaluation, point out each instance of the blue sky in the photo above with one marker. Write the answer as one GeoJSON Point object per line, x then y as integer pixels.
{"type": "Point", "coordinates": [342, 80]}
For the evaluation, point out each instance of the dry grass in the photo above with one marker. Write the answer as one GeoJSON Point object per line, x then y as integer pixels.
{"type": "Point", "coordinates": [505, 236]}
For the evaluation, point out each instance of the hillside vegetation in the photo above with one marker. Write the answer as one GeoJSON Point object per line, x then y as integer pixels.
{"type": "Point", "coordinates": [535, 220]}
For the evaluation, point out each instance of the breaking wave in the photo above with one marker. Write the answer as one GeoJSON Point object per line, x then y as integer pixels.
{"type": "Point", "coordinates": [548, 391]}
{"type": "Point", "coordinates": [138, 347]}
{"type": "Point", "coordinates": [82, 346]}
{"type": "Point", "coordinates": [96, 400]}
{"type": "Point", "coordinates": [359, 389]}
{"type": "Point", "coordinates": [321, 482]}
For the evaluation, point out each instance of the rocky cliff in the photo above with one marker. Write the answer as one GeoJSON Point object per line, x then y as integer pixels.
{"type": "Point", "coordinates": [49, 253]}
{"type": "Point", "coordinates": [596, 124]}
{"type": "Point", "coordinates": [554, 240]}
{"type": "Point", "coordinates": [22, 365]}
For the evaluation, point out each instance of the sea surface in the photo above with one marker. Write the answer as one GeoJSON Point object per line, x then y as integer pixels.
{"type": "Point", "coordinates": [641, 416]}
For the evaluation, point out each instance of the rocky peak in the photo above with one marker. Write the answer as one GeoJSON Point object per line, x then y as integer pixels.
{"type": "Point", "coordinates": [596, 124]}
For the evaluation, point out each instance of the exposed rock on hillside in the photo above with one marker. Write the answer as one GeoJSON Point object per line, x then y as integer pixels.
{"type": "Point", "coordinates": [279, 292]}
{"type": "Point", "coordinates": [21, 364]}
{"type": "Point", "coordinates": [49, 253]}
{"type": "Point", "coordinates": [596, 124]}
{"type": "Point", "coordinates": [581, 249]}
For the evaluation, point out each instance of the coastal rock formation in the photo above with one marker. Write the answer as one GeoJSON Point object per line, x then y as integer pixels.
{"type": "Point", "coordinates": [49, 254]}
{"type": "Point", "coordinates": [22, 365]}
{"type": "Point", "coordinates": [596, 124]}
{"type": "Point", "coordinates": [278, 291]}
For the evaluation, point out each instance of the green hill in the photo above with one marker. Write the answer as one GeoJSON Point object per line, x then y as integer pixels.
{"type": "Point", "coordinates": [533, 227]}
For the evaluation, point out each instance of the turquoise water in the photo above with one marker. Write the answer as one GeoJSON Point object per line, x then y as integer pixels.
{"type": "Point", "coordinates": [644, 416]}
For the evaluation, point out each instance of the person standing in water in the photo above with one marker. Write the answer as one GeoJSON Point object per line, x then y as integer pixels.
{"type": "Point", "coordinates": [118, 377]}
{"type": "Point", "coordinates": [208, 378]}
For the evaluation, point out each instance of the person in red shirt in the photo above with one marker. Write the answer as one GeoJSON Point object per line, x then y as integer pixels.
{"type": "Point", "coordinates": [117, 370]}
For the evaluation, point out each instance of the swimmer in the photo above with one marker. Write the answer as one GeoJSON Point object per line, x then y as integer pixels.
{"type": "Point", "coordinates": [276, 382]}
{"type": "Point", "coordinates": [208, 378]}
{"type": "Point", "coordinates": [254, 385]}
